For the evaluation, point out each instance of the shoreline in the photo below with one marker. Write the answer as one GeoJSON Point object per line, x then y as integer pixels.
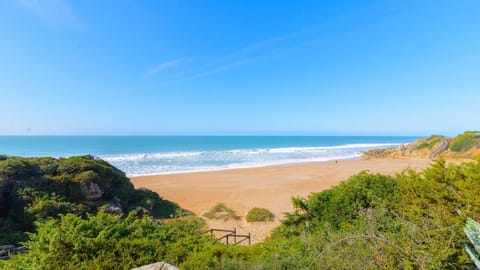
{"type": "Point", "coordinates": [247, 156]}
{"type": "Point", "coordinates": [242, 168]}
{"type": "Point", "coordinates": [270, 187]}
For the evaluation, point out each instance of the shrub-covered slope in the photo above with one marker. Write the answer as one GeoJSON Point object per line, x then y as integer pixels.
{"type": "Point", "coordinates": [462, 146]}
{"type": "Point", "coordinates": [37, 188]}
{"type": "Point", "coordinates": [466, 145]}
{"type": "Point", "coordinates": [407, 221]}
{"type": "Point", "coordinates": [412, 220]}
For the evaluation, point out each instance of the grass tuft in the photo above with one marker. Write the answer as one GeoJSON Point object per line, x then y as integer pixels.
{"type": "Point", "coordinates": [220, 211]}
{"type": "Point", "coordinates": [259, 214]}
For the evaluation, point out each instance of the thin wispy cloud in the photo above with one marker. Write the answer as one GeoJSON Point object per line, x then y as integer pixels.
{"type": "Point", "coordinates": [276, 45]}
{"type": "Point", "coordinates": [252, 48]}
{"type": "Point", "coordinates": [165, 66]}
{"type": "Point", "coordinates": [55, 12]}
{"type": "Point", "coordinates": [245, 55]}
{"type": "Point", "coordinates": [219, 69]}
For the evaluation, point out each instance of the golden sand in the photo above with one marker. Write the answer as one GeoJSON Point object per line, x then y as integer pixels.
{"type": "Point", "coordinates": [268, 187]}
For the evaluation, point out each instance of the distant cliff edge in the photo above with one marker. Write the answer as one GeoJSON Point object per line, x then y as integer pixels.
{"type": "Point", "coordinates": [463, 146]}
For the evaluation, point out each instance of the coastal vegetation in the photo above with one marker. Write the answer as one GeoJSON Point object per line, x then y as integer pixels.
{"type": "Point", "coordinates": [411, 220]}
{"type": "Point", "coordinates": [462, 146]}
{"type": "Point", "coordinates": [465, 141]}
{"type": "Point", "coordinates": [258, 214]}
{"type": "Point", "coordinates": [220, 211]}
{"type": "Point", "coordinates": [472, 231]}
{"type": "Point", "coordinates": [35, 189]}
{"type": "Point", "coordinates": [107, 241]}
{"type": "Point", "coordinates": [429, 142]}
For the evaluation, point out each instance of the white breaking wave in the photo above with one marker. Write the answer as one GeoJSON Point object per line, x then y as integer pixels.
{"type": "Point", "coordinates": [242, 166]}
{"type": "Point", "coordinates": [133, 157]}
{"type": "Point", "coordinates": [183, 162]}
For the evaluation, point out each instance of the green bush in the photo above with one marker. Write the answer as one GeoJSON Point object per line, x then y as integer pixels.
{"type": "Point", "coordinates": [339, 204]}
{"type": "Point", "coordinates": [411, 220]}
{"type": "Point", "coordinates": [259, 214]}
{"type": "Point", "coordinates": [220, 211]}
{"type": "Point", "coordinates": [155, 205]}
{"type": "Point", "coordinates": [465, 141]}
{"type": "Point", "coordinates": [106, 241]}
{"type": "Point", "coordinates": [15, 168]}
{"type": "Point", "coordinates": [37, 188]}
{"type": "Point", "coordinates": [429, 142]}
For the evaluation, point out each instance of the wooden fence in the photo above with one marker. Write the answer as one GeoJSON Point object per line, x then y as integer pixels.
{"type": "Point", "coordinates": [7, 250]}
{"type": "Point", "coordinates": [229, 237]}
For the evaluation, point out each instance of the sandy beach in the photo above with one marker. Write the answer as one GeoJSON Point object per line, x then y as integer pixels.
{"type": "Point", "coordinates": [268, 187]}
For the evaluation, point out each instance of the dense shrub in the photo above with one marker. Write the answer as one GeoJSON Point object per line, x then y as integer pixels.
{"type": "Point", "coordinates": [341, 204]}
{"type": "Point", "coordinates": [259, 214]}
{"type": "Point", "coordinates": [411, 220]}
{"type": "Point", "coordinates": [156, 206]}
{"type": "Point", "coordinates": [37, 188]}
{"type": "Point", "coordinates": [106, 241]}
{"type": "Point", "coordinates": [407, 221]}
{"type": "Point", "coordinates": [465, 141]}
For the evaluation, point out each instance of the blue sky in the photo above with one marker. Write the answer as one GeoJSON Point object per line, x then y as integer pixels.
{"type": "Point", "coordinates": [239, 67]}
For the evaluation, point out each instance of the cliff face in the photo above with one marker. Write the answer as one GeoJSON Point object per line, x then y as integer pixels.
{"type": "Point", "coordinates": [37, 188]}
{"type": "Point", "coordinates": [463, 146]}
{"type": "Point", "coordinates": [396, 153]}
{"type": "Point", "coordinates": [422, 148]}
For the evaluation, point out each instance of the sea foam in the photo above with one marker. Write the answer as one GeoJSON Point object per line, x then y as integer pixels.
{"type": "Point", "coordinates": [182, 162]}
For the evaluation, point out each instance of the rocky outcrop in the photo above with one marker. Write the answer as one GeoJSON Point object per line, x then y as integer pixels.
{"type": "Point", "coordinates": [37, 188]}
{"type": "Point", "coordinates": [465, 146]}
{"type": "Point", "coordinates": [397, 153]}
{"type": "Point", "coordinates": [91, 191]}
{"type": "Point", "coordinates": [115, 207]}
{"type": "Point", "coordinates": [422, 148]}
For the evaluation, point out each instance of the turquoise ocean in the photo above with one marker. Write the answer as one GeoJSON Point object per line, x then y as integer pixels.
{"type": "Point", "coordinates": [146, 155]}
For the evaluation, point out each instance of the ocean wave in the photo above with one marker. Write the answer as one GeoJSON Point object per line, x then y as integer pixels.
{"type": "Point", "coordinates": [241, 166]}
{"type": "Point", "coordinates": [326, 148]}
{"type": "Point", "coordinates": [286, 150]}
{"type": "Point", "coordinates": [133, 157]}
{"type": "Point", "coordinates": [183, 162]}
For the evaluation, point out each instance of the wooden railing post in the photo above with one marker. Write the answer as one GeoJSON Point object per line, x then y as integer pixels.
{"type": "Point", "coordinates": [227, 234]}
{"type": "Point", "coordinates": [235, 236]}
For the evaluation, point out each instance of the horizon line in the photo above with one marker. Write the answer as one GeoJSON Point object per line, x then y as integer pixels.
{"type": "Point", "coordinates": [210, 135]}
